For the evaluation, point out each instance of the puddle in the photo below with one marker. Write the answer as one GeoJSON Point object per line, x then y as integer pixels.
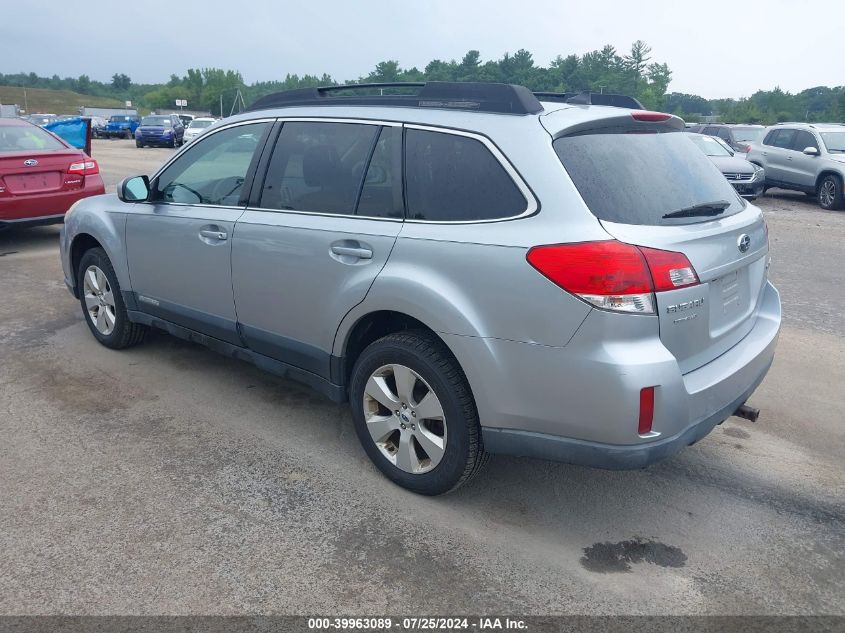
{"type": "Point", "coordinates": [604, 558]}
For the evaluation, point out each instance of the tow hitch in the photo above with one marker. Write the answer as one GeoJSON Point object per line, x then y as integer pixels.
{"type": "Point", "coordinates": [749, 413]}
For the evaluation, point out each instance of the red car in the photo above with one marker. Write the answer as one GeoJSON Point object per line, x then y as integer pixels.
{"type": "Point", "coordinates": [41, 176]}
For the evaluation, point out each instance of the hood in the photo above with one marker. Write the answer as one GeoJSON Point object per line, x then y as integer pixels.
{"type": "Point", "coordinates": [839, 158]}
{"type": "Point", "coordinates": [732, 164]}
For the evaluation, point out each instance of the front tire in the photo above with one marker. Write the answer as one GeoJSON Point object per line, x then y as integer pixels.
{"type": "Point", "coordinates": [831, 194]}
{"type": "Point", "coordinates": [102, 304]}
{"type": "Point", "coordinates": [414, 413]}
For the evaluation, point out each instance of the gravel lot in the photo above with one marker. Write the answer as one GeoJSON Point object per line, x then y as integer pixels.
{"type": "Point", "coordinates": [168, 479]}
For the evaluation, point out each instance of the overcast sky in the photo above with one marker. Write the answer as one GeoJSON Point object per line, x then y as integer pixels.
{"type": "Point", "coordinates": [715, 48]}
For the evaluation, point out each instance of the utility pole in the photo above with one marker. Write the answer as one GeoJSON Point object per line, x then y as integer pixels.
{"type": "Point", "coordinates": [25, 104]}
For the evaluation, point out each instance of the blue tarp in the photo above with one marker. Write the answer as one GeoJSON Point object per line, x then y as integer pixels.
{"type": "Point", "coordinates": [74, 131]}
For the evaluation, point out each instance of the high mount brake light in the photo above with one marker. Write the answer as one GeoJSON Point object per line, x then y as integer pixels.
{"type": "Point", "coordinates": [646, 115]}
{"type": "Point", "coordinates": [612, 275]}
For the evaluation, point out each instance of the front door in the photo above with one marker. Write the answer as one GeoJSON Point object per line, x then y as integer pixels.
{"type": "Point", "coordinates": [327, 219]}
{"type": "Point", "coordinates": [179, 244]}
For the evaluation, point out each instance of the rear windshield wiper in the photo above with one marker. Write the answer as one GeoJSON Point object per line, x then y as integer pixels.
{"type": "Point", "coordinates": [705, 209]}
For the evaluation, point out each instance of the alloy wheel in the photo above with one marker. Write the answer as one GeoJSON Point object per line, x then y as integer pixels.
{"type": "Point", "coordinates": [827, 193]}
{"type": "Point", "coordinates": [99, 300]}
{"type": "Point", "coordinates": [405, 418]}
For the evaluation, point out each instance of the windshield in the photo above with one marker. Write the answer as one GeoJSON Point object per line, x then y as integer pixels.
{"type": "Point", "coordinates": [640, 178]}
{"type": "Point", "coordinates": [709, 145]}
{"type": "Point", "coordinates": [118, 118]}
{"type": "Point", "coordinates": [161, 121]}
{"type": "Point", "coordinates": [753, 134]}
{"type": "Point", "coordinates": [834, 141]}
{"type": "Point", "coordinates": [20, 138]}
{"type": "Point", "coordinates": [196, 124]}
{"type": "Point", "coordinates": [41, 120]}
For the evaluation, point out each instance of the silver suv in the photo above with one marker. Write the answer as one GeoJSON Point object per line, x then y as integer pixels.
{"type": "Point", "coordinates": [805, 157]}
{"type": "Point", "coordinates": [474, 269]}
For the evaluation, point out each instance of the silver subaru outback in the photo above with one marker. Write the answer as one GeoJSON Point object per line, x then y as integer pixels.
{"type": "Point", "coordinates": [474, 268]}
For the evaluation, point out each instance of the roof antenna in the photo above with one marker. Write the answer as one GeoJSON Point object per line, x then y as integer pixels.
{"type": "Point", "coordinates": [582, 98]}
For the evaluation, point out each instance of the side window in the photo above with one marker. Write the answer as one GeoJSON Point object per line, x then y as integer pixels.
{"type": "Point", "coordinates": [725, 134]}
{"type": "Point", "coordinates": [213, 170]}
{"type": "Point", "coordinates": [318, 167]}
{"type": "Point", "coordinates": [711, 130]}
{"type": "Point", "coordinates": [803, 140]}
{"type": "Point", "coordinates": [783, 139]}
{"type": "Point", "coordinates": [380, 194]}
{"type": "Point", "coordinates": [451, 178]}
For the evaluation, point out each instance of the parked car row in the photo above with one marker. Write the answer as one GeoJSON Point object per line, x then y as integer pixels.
{"type": "Point", "coordinates": [807, 157]}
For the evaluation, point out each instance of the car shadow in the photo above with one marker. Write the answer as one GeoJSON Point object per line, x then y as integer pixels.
{"type": "Point", "coordinates": [18, 240]}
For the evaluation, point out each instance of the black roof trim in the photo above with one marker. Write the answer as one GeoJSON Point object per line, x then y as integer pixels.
{"type": "Point", "coordinates": [591, 98]}
{"type": "Point", "coordinates": [467, 96]}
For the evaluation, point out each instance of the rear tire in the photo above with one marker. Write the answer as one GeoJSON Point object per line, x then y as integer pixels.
{"type": "Point", "coordinates": [433, 443]}
{"type": "Point", "coordinates": [102, 303]}
{"type": "Point", "coordinates": [831, 194]}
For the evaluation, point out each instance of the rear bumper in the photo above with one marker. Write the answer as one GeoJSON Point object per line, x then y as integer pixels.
{"type": "Point", "coordinates": [580, 403]}
{"type": "Point", "coordinates": [608, 456]}
{"type": "Point", "coordinates": [46, 207]}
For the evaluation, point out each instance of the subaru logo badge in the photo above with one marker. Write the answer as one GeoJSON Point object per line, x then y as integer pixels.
{"type": "Point", "coordinates": [743, 242]}
{"type": "Point", "coordinates": [30, 162]}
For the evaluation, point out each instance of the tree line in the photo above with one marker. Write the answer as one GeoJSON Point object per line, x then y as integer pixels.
{"type": "Point", "coordinates": [605, 70]}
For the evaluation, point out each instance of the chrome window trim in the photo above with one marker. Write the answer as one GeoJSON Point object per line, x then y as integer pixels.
{"type": "Point", "coordinates": [531, 201]}
{"type": "Point", "coordinates": [532, 205]}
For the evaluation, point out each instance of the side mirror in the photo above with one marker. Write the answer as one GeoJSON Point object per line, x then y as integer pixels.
{"type": "Point", "coordinates": [811, 151]}
{"type": "Point", "coordinates": [134, 189]}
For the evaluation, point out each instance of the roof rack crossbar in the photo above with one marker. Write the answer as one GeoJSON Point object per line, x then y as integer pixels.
{"type": "Point", "coordinates": [471, 96]}
{"type": "Point", "coordinates": [591, 98]}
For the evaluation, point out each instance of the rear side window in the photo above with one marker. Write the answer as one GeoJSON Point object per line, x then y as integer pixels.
{"type": "Point", "coordinates": [318, 167]}
{"type": "Point", "coordinates": [640, 178]}
{"type": "Point", "coordinates": [452, 178]}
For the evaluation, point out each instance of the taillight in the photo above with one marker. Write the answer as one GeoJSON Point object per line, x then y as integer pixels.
{"type": "Point", "coordinates": [646, 410]}
{"type": "Point", "coordinates": [87, 167]}
{"type": "Point", "coordinates": [646, 115]}
{"type": "Point", "coordinates": [612, 275]}
{"type": "Point", "coordinates": [669, 270]}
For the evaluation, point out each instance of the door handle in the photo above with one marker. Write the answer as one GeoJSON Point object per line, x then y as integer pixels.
{"type": "Point", "coordinates": [351, 251]}
{"type": "Point", "coordinates": [213, 235]}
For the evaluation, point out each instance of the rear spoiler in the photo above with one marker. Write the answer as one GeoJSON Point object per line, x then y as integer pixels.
{"type": "Point", "coordinates": [590, 98]}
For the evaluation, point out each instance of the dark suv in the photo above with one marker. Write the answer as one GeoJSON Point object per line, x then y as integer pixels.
{"type": "Point", "coordinates": [160, 129]}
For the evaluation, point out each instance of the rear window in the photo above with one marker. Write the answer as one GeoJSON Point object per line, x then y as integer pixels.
{"type": "Point", "coordinates": [640, 178]}
{"type": "Point", "coordinates": [156, 120]}
{"type": "Point", "coordinates": [22, 138]}
{"type": "Point", "coordinates": [753, 134]}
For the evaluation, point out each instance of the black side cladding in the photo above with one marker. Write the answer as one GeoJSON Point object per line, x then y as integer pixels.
{"type": "Point", "coordinates": [466, 96]}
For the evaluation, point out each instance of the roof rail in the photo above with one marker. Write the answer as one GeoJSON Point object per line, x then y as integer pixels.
{"type": "Point", "coordinates": [591, 98]}
{"type": "Point", "coordinates": [471, 96]}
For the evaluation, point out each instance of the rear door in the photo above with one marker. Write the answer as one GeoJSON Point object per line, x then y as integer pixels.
{"type": "Point", "coordinates": [179, 244]}
{"type": "Point", "coordinates": [631, 182]}
{"type": "Point", "coordinates": [320, 229]}
{"type": "Point", "coordinates": [803, 167]}
{"type": "Point", "coordinates": [778, 153]}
